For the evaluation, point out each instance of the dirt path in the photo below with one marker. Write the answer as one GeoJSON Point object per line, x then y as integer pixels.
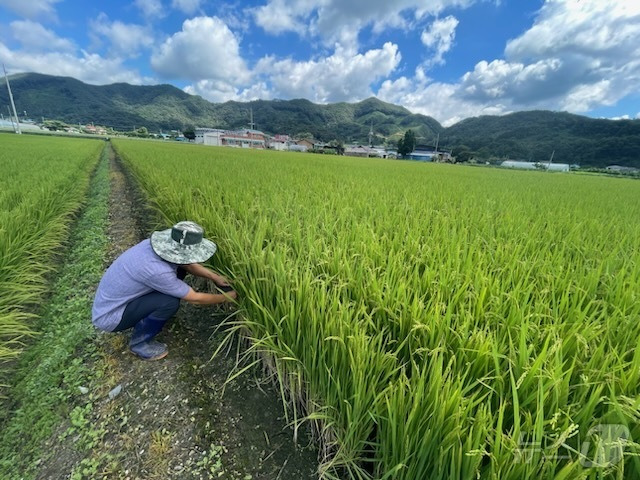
{"type": "Point", "coordinates": [171, 420]}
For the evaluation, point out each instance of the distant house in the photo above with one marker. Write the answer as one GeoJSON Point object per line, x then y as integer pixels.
{"type": "Point", "coordinates": [428, 153]}
{"type": "Point", "coordinates": [379, 152]}
{"type": "Point", "coordinates": [357, 151]}
{"type": "Point", "coordinates": [201, 132]}
{"type": "Point", "coordinates": [216, 137]}
{"type": "Point", "coordinates": [212, 138]}
{"type": "Point", "coordinates": [95, 130]}
{"type": "Point", "coordinates": [365, 151]}
{"type": "Point", "coordinates": [325, 148]}
{"type": "Point", "coordinates": [305, 143]}
{"type": "Point", "coordinates": [246, 138]}
{"type": "Point", "coordinates": [279, 142]}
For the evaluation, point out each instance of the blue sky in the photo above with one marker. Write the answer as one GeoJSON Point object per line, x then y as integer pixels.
{"type": "Point", "coordinates": [450, 59]}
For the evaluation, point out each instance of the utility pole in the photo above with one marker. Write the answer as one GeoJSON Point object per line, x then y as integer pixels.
{"type": "Point", "coordinates": [13, 125]}
{"type": "Point", "coordinates": [550, 160]}
{"type": "Point", "coordinates": [371, 135]}
{"type": "Point", "coordinates": [13, 105]}
{"type": "Point", "coordinates": [437, 142]}
{"type": "Point", "coordinates": [252, 125]}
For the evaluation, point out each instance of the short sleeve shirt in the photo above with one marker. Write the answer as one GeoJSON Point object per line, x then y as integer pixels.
{"type": "Point", "coordinates": [135, 273]}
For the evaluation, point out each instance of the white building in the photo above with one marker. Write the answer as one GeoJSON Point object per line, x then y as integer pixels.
{"type": "Point", "coordinates": [557, 167]}
{"type": "Point", "coordinates": [552, 167]}
{"type": "Point", "coordinates": [519, 165]}
{"type": "Point", "coordinates": [216, 137]}
{"type": "Point", "coordinates": [359, 151]}
{"type": "Point", "coordinates": [280, 142]}
{"type": "Point", "coordinates": [200, 133]}
{"type": "Point", "coordinates": [213, 139]}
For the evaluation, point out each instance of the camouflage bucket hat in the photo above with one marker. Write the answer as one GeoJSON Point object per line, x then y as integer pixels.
{"type": "Point", "coordinates": [182, 244]}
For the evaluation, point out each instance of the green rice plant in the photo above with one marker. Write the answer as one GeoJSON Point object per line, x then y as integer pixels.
{"type": "Point", "coordinates": [42, 184]}
{"type": "Point", "coordinates": [429, 321]}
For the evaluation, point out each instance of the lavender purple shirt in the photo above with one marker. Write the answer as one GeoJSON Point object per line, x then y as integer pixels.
{"type": "Point", "coordinates": [136, 272]}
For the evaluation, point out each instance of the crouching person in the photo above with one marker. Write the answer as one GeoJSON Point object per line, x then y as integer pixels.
{"type": "Point", "coordinates": [143, 287]}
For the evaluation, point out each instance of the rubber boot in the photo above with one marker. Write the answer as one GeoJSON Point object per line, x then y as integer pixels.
{"type": "Point", "coordinates": [142, 343]}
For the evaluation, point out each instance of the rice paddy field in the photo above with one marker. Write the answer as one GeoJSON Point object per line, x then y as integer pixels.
{"type": "Point", "coordinates": [42, 184]}
{"type": "Point", "coordinates": [429, 321]}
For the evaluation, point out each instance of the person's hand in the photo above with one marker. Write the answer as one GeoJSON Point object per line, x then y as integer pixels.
{"type": "Point", "coordinates": [228, 291]}
{"type": "Point", "coordinates": [230, 296]}
{"type": "Point", "coordinates": [220, 281]}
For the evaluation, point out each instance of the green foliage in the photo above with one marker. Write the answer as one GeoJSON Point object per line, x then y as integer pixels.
{"type": "Point", "coordinates": [407, 144]}
{"type": "Point", "coordinates": [140, 132]}
{"type": "Point", "coordinates": [189, 133]}
{"type": "Point", "coordinates": [462, 153]}
{"type": "Point", "coordinates": [533, 136]}
{"type": "Point", "coordinates": [55, 125]}
{"type": "Point", "coordinates": [439, 331]}
{"type": "Point", "coordinates": [48, 374]}
{"type": "Point", "coordinates": [44, 180]}
{"type": "Point", "coordinates": [338, 146]}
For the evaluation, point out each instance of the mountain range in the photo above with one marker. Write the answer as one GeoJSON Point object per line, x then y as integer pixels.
{"type": "Point", "coordinates": [529, 135]}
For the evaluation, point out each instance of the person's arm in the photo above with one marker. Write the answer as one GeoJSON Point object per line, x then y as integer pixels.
{"type": "Point", "coordinates": [199, 298]}
{"type": "Point", "coordinates": [203, 272]}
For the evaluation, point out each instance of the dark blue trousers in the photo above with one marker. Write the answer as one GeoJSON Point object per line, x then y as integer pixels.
{"type": "Point", "coordinates": [159, 306]}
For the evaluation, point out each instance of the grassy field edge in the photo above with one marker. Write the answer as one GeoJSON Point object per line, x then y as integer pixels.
{"type": "Point", "coordinates": [50, 373]}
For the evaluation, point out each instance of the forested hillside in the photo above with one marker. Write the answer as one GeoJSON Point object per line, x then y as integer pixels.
{"type": "Point", "coordinates": [535, 135]}
{"type": "Point", "coordinates": [164, 107]}
{"type": "Point", "coordinates": [532, 135]}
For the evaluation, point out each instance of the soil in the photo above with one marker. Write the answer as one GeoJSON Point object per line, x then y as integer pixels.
{"type": "Point", "coordinates": [175, 418]}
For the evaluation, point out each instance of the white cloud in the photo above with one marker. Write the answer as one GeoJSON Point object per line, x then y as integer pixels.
{"type": "Point", "coordinates": [621, 117]}
{"type": "Point", "coordinates": [589, 27]}
{"type": "Point", "coordinates": [435, 99]}
{"type": "Point", "coordinates": [220, 91]}
{"type": "Point", "coordinates": [337, 20]}
{"type": "Point", "coordinates": [280, 16]}
{"type": "Point", "coordinates": [186, 6]}
{"type": "Point", "coordinates": [584, 97]}
{"type": "Point", "coordinates": [90, 68]}
{"type": "Point", "coordinates": [440, 36]}
{"type": "Point", "coordinates": [517, 82]}
{"type": "Point", "coordinates": [205, 49]}
{"type": "Point", "coordinates": [343, 76]}
{"type": "Point", "coordinates": [125, 39]}
{"type": "Point", "coordinates": [596, 44]}
{"type": "Point", "coordinates": [150, 8]}
{"type": "Point", "coordinates": [578, 55]}
{"type": "Point", "coordinates": [31, 8]}
{"type": "Point", "coordinates": [33, 36]}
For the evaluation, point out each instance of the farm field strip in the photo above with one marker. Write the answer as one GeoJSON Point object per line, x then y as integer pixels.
{"type": "Point", "coordinates": [43, 182]}
{"type": "Point", "coordinates": [435, 321]}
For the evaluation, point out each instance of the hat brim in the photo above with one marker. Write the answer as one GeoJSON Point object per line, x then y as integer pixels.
{"type": "Point", "coordinates": [171, 251]}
